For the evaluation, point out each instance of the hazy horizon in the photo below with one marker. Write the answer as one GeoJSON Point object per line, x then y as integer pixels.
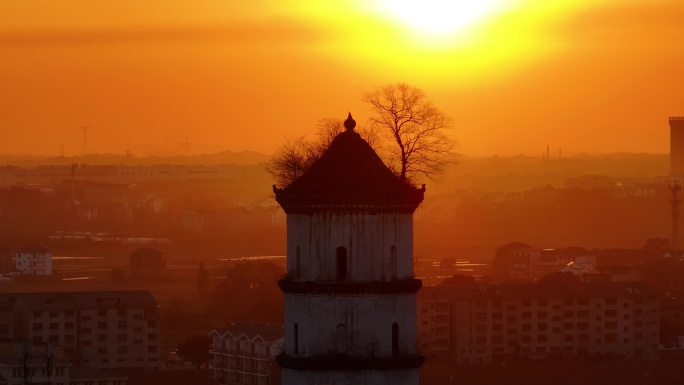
{"type": "Point", "coordinates": [253, 157]}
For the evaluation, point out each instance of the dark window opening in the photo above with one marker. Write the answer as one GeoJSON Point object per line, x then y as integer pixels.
{"type": "Point", "coordinates": [341, 263]}
{"type": "Point", "coordinates": [395, 338]}
{"type": "Point", "coordinates": [341, 339]}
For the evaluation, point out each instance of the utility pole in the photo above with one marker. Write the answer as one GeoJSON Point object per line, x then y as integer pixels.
{"type": "Point", "coordinates": [675, 188]}
{"type": "Point", "coordinates": [49, 362]}
{"type": "Point", "coordinates": [73, 176]}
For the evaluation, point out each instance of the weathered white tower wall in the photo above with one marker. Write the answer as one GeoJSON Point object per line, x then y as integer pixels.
{"type": "Point", "coordinates": [375, 323]}
{"type": "Point", "coordinates": [368, 320]}
{"type": "Point", "coordinates": [379, 246]}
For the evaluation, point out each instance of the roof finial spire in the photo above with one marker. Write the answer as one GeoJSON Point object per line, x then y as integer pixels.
{"type": "Point", "coordinates": [350, 123]}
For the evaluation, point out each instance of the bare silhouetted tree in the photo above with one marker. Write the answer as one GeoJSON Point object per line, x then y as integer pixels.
{"type": "Point", "coordinates": [296, 155]}
{"type": "Point", "coordinates": [291, 160]}
{"type": "Point", "coordinates": [415, 125]}
{"type": "Point", "coordinates": [326, 130]}
{"type": "Point", "coordinates": [196, 350]}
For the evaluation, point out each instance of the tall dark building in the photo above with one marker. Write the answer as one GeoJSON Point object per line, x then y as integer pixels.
{"type": "Point", "coordinates": [677, 145]}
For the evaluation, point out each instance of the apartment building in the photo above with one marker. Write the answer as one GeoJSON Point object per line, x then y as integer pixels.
{"type": "Point", "coordinates": [434, 321]}
{"type": "Point", "coordinates": [118, 329]}
{"type": "Point", "coordinates": [244, 353]}
{"type": "Point", "coordinates": [495, 323]}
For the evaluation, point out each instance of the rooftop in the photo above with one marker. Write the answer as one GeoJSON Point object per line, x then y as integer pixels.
{"type": "Point", "coordinates": [81, 300]}
{"type": "Point", "coordinates": [349, 174]}
{"type": "Point", "coordinates": [585, 290]}
{"type": "Point", "coordinates": [252, 329]}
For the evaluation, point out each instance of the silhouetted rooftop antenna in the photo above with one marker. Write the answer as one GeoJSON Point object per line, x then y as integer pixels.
{"type": "Point", "coordinates": [185, 146]}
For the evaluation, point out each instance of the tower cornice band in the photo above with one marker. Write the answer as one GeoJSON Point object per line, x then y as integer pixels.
{"type": "Point", "coordinates": [411, 285]}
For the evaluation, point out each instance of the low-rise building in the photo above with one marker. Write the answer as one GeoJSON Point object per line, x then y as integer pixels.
{"type": "Point", "coordinates": [22, 362]}
{"type": "Point", "coordinates": [516, 262]}
{"type": "Point", "coordinates": [34, 260]}
{"type": "Point", "coordinates": [26, 363]}
{"type": "Point", "coordinates": [244, 353]}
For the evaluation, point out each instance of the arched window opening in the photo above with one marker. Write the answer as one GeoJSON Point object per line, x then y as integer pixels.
{"type": "Point", "coordinates": [296, 338]}
{"type": "Point", "coordinates": [341, 339]}
{"type": "Point", "coordinates": [298, 262]}
{"type": "Point", "coordinates": [341, 261]}
{"type": "Point", "coordinates": [393, 262]}
{"type": "Point", "coordinates": [395, 338]}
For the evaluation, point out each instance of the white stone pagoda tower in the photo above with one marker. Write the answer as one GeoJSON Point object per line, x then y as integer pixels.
{"type": "Point", "coordinates": [350, 293]}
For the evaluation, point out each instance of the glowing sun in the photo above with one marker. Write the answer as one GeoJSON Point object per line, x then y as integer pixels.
{"type": "Point", "coordinates": [439, 17]}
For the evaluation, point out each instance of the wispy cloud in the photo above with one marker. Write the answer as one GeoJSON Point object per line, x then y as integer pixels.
{"type": "Point", "coordinates": [269, 31]}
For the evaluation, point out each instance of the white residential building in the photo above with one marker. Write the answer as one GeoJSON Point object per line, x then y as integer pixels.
{"type": "Point", "coordinates": [244, 353]}
{"type": "Point", "coordinates": [34, 260]}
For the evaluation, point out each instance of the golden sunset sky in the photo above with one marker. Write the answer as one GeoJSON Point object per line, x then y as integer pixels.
{"type": "Point", "coordinates": [515, 75]}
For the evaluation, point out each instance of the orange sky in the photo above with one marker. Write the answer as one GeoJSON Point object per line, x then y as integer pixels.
{"type": "Point", "coordinates": [144, 75]}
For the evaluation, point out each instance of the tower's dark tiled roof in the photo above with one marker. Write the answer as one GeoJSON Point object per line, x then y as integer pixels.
{"type": "Point", "coordinates": [349, 174]}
